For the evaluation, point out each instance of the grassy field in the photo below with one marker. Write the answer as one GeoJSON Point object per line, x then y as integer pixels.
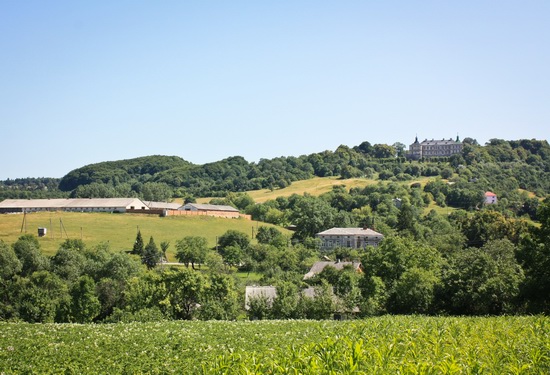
{"type": "Point", "coordinates": [118, 229]}
{"type": "Point", "coordinates": [381, 345]}
{"type": "Point", "coordinates": [315, 186]}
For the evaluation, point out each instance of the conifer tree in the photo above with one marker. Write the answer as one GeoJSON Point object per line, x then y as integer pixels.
{"type": "Point", "coordinates": [138, 245]}
{"type": "Point", "coordinates": [151, 255]}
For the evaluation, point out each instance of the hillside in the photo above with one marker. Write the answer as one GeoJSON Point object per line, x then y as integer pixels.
{"type": "Point", "coordinates": [505, 165]}
{"type": "Point", "coordinates": [119, 230]}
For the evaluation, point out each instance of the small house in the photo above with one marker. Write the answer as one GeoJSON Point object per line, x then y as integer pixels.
{"type": "Point", "coordinates": [490, 198]}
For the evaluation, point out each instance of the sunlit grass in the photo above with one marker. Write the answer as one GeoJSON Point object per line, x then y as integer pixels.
{"type": "Point", "coordinates": [119, 230]}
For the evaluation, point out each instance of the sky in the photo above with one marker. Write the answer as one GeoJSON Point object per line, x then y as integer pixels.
{"type": "Point", "coordinates": [83, 82]}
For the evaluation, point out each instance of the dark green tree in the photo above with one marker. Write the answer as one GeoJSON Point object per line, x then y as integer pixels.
{"type": "Point", "coordinates": [9, 263]}
{"type": "Point", "coordinates": [233, 238]}
{"type": "Point", "coordinates": [312, 215]}
{"type": "Point", "coordinates": [41, 298]}
{"type": "Point", "coordinates": [483, 280]}
{"type": "Point", "coordinates": [27, 249]}
{"type": "Point", "coordinates": [535, 259]}
{"type": "Point", "coordinates": [151, 254]}
{"type": "Point", "coordinates": [138, 244]}
{"type": "Point", "coordinates": [69, 264]}
{"type": "Point", "coordinates": [85, 305]}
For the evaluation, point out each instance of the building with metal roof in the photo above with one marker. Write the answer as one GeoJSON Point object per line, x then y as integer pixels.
{"type": "Point", "coordinates": [211, 209]}
{"type": "Point", "coordinates": [74, 205]}
{"type": "Point", "coordinates": [355, 238]}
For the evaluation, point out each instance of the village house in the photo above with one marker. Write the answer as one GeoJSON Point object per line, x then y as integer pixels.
{"type": "Point", "coordinates": [490, 198]}
{"type": "Point", "coordinates": [355, 238]}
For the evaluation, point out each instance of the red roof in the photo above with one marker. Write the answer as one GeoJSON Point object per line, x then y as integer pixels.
{"type": "Point", "coordinates": [490, 194]}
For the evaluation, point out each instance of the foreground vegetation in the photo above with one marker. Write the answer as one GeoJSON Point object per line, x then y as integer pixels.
{"type": "Point", "coordinates": [383, 345]}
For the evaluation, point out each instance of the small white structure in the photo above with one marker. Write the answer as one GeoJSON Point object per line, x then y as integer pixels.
{"type": "Point", "coordinates": [355, 238]}
{"type": "Point", "coordinates": [490, 197]}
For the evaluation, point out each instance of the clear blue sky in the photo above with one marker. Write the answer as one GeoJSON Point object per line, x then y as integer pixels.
{"type": "Point", "coordinates": [88, 81]}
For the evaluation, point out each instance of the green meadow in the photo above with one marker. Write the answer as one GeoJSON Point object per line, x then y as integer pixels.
{"type": "Point", "coordinates": [119, 230]}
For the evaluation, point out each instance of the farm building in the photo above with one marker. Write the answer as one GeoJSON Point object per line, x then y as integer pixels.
{"type": "Point", "coordinates": [163, 205]}
{"type": "Point", "coordinates": [267, 292]}
{"type": "Point", "coordinates": [355, 238]}
{"type": "Point", "coordinates": [211, 210]}
{"type": "Point", "coordinates": [74, 205]}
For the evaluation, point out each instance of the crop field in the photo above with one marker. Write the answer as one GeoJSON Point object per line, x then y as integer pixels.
{"type": "Point", "coordinates": [381, 345]}
{"type": "Point", "coordinates": [119, 230]}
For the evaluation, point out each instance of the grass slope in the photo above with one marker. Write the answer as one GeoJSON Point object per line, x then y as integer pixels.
{"type": "Point", "coordinates": [315, 186]}
{"type": "Point", "coordinates": [118, 229]}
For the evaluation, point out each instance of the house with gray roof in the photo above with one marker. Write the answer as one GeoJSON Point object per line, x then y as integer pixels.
{"type": "Point", "coordinates": [163, 205]}
{"type": "Point", "coordinates": [355, 238]}
{"type": "Point", "coordinates": [252, 292]}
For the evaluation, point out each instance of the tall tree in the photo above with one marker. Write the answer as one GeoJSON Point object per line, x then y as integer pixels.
{"type": "Point", "coordinates": [192, 249]}
{"type": "Point", "coordinates": [138, 244]}
{"type": "Point", "coordinates": [151, 254]}
{"type": "Point", "coordinates": [85, 305]}
{"type": "Point", "coordinates": [27, 249]}
{"type": "Point", "coordinates": [312, 215]}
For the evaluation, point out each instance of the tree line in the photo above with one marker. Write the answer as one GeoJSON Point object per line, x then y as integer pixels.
{"type": "Point", "coordinates": [475, 263]}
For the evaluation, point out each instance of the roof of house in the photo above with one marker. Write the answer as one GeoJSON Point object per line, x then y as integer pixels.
{"type": "Point", "coordinates": [163, 205]}
{"type": "Point", "coordinates": [490, 194]}
{"type": "Point", "coordinates": [435, 142]}
{"type": "Point", "coordinates": [210, 207]}
{"type": "Point", "coordinates": [318, 267]}
{"type": "Point", "coordinates": [350, 232]}
{"type": "Point", "coordinates": [268, 292]}
{"type": "Point", "coordinates": [72, 203]}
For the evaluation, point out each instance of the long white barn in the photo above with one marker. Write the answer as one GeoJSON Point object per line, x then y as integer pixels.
{"type": "Point", "coordinates": [75, 205]}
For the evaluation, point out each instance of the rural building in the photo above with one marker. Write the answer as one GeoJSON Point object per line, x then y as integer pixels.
{"type": "Point", "coordinates": [434, 148]}
{"type": "Point", "coordinates": [490, 198]}
{"type": "Point", "coordinates": [318, 267]}
{"type": "Point", "coordinates": [267, 292]}
{"type": "Point", "coordinates": [74, 205]}
{"type": "Point", "coordinates": [355, 238]}
{"type": "Point", "coordinates": [163, 205]}
{"type": "Point", "coordinates": [270, 293]}
{"type": "Point", "coordinates": [211, 210]}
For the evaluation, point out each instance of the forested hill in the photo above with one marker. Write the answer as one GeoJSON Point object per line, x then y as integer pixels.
{"type": "Point", "coordinates": [122, 171]}
{"type": "Point", "coordinates": [500, 165]}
